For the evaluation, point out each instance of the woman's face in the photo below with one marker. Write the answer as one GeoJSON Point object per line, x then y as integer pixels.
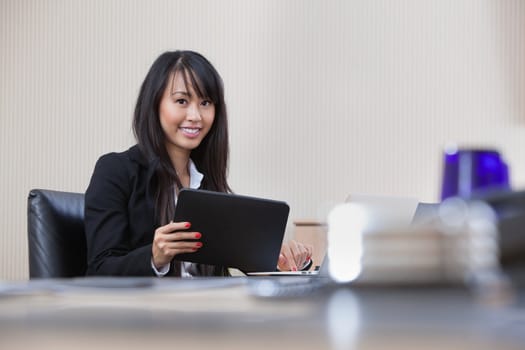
{"type": "Point", "coordinates": [185, 118]}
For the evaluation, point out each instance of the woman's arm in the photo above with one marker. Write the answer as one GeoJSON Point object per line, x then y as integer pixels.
{"type": "Point", "coordinates": [110, 238]}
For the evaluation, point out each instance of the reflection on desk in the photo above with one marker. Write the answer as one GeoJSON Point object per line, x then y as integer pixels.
{"type": "Point", "coordinates": [200, 313]}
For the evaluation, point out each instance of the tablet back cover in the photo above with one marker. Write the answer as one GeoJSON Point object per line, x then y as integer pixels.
{"type": "Point", "coordinates": [237, 231]}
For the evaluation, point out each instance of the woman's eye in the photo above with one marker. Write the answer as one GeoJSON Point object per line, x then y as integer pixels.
{"type": "Point", "coordinates": [206, 103]}
{"type": "Point", "coordinates": [180, 101]}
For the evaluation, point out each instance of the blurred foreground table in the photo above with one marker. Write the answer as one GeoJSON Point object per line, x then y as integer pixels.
{"type": "Point", "coordinates": [236, 313]}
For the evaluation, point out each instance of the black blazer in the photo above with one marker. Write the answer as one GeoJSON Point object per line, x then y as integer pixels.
{"type": "Point", "coordinates": [120, 217]}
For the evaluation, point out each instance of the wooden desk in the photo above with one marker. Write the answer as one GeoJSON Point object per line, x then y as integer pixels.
{"type": "Point", "coordinates": [229, 313]}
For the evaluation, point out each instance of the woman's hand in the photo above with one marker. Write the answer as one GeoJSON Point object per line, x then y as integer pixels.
{"type": "Point", "coordinates": [170, 240]}
{"type": "Point", "coordinates": [294, 256]}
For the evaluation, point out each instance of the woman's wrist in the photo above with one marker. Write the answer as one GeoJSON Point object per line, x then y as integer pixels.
{"type": "Point", "coordinates": [162, 271]}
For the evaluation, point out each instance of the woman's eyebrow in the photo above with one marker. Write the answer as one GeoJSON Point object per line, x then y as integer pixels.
{"type": "Point", "coordinates": [182, 92]}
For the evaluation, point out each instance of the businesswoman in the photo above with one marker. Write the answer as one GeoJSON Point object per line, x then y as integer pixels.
{"type": "Point", "coordinates": [180, 124]}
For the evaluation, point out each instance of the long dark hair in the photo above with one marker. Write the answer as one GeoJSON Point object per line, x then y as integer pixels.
{"type": "Point", "coordinates": [211, 156]}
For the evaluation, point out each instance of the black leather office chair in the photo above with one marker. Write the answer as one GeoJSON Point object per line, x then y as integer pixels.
{"type": "Point", "coordinates": [55, 227]}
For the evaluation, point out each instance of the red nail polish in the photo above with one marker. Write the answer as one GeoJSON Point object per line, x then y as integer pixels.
{"type": "Point", "coordinates": [198, 244]}
{"type": "Point", "coordinates": [294, 269]}
{"type": "Point", "coordinates": [187, 225]}
{"type": "Point", "coordinates": [198, 235]}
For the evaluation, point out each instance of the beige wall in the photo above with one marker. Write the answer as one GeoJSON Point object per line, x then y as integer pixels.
{"type": "Point", "coordinates": [325, 97]}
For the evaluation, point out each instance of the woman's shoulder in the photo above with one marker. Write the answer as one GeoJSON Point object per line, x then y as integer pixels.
{"type": "Point", "coordinates": [131, 155]}
{"type": "Point", "coordinates": [115, 169]}
{"type": "Point", "coordinates": [119, 161]}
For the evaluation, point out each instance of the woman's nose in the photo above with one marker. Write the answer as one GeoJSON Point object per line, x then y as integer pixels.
{"type": "Point", "coordinates": [194, 113]}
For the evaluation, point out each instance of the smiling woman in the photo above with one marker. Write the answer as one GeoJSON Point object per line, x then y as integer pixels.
{"type": "Point", "coordinates": [186, 118]}
{"type": "Point", "coordinates": [180, 123]}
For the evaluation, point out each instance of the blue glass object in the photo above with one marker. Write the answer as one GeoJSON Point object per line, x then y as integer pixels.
{"type": "Point", "coordinates": [467, 171]}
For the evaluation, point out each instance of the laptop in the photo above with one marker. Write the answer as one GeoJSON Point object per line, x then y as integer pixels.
{"type": "Point", "coordinates": [384, 211]}
{"type": "Point", "coordinates": [285, 273]}
{"type": "Point", "coordinates": [238, 231]}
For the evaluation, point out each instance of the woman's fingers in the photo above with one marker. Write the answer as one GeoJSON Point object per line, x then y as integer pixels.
{"type": "Point", "coordinates": [164, 251]}
{"type": "Point", "coordinates": [168, 241]}
{"type": "Point", "coordinates": [173, 226]}
{"type": "Point", "coordinates": [183, 245]}
{"type": "Point", "coordinates": [309, 252]}
{"type": "Point", "coordinates": [289, 260]}
{"type": "Point", "coordinates": [180, 236]}
{"type": "Point", "coordinates": [294, 255]}
{"type": "Point", "coordinates": [178, 240]}
{"type": "Point", "coordinates": [282, 263]}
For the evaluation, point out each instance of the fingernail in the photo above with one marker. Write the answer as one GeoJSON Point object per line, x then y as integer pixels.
{"type": "Point", "coordinates": [187, 225]}
{"type": "Point", "coordinates": [198, 235]}
{"type": "Point", "coordinates": [294, 268]}
{"type": "Point", "coordinates": [198, 244]}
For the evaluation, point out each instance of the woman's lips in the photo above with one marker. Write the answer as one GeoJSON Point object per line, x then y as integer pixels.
{"type": "Point", "coordinates": [190, 132]}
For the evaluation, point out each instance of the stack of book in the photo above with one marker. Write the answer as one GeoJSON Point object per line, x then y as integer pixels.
{"type": "Point", "coordinates": [428, 254]}
{"type": "Point", "coordinates": [458, 243]}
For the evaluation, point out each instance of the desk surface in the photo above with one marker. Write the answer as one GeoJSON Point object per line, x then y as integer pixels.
{"type": "Point", "coordinates": [232, 313]}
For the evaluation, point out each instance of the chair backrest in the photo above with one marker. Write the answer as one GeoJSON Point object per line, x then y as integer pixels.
{"type": "Point", "coordinates": [55, 227]}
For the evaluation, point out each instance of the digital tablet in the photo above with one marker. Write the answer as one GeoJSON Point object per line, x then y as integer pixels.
{"type": "Point", "coordinates": [237, 231]}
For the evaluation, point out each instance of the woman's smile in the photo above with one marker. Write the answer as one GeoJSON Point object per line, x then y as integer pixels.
{"type": "Point", "coordinates": [190, 132]}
